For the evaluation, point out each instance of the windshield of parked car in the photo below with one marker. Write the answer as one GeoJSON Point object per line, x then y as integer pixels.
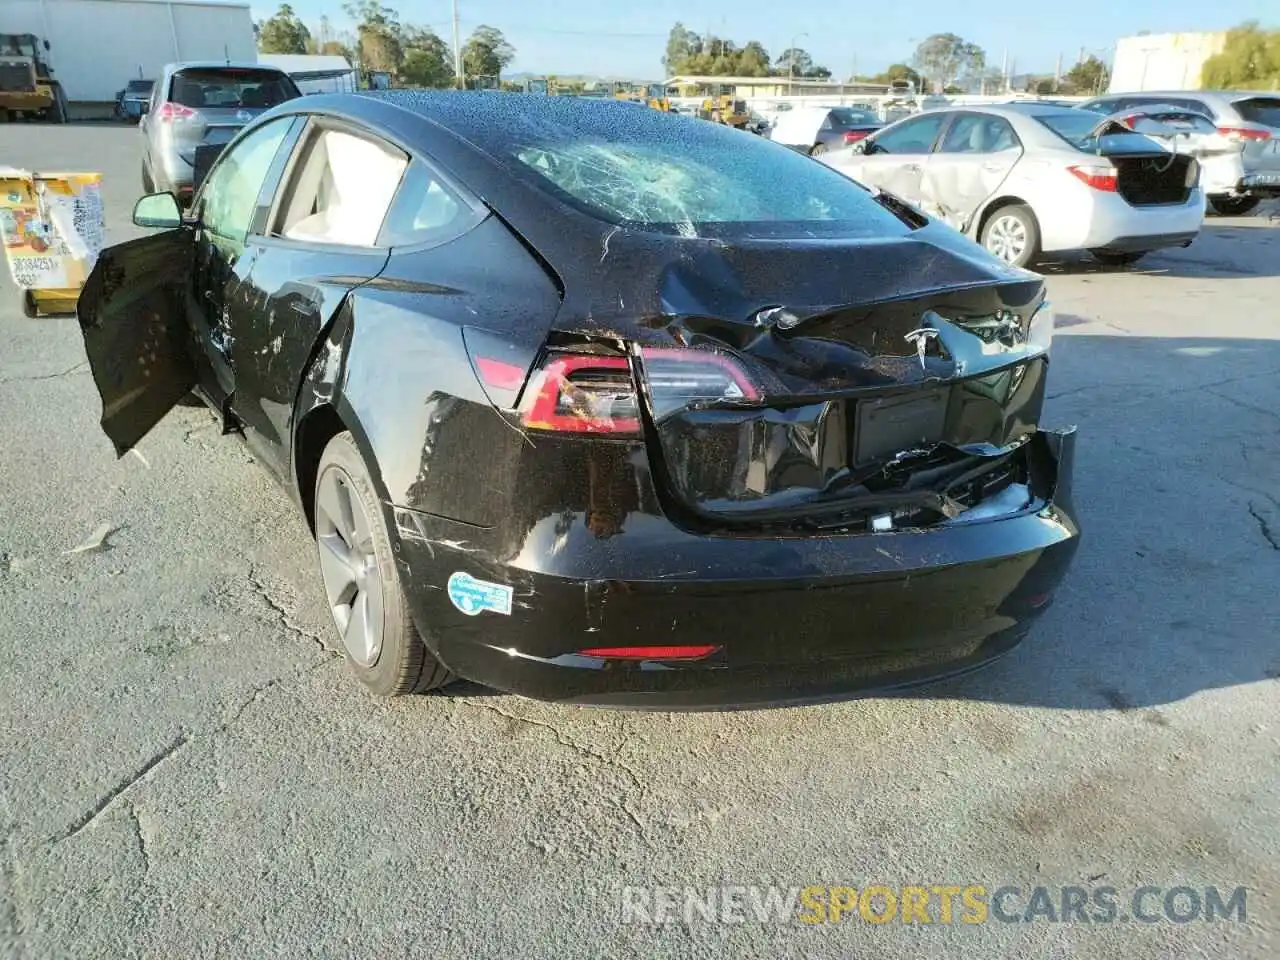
{"type": "Point", "coordinates": [850, 117]}
{"type": "Point", "coordinates": [702, 180]}
{"type": "Point", "coordinates": [139, 86]}
{"type": "Point", "coordinates": [1263, 110]}
{"type": "Point", "coordinates": [231, 87]}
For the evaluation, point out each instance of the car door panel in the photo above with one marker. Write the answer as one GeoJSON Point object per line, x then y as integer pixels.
{"type": "Point", "coordinates": [135, 332]}
{"type": "Point", "coordinates": [955, 186]}
{"type": "Point", "coordinates": [290, 300]}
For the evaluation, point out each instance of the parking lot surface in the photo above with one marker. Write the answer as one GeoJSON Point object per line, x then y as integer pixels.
{"type": "Point", "coordinates": [186, 770]}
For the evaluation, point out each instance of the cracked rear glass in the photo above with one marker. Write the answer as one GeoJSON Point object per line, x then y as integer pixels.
{"type": "Point", "coordinates": [691, 178]}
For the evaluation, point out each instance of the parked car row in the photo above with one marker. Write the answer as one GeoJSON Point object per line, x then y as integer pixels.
{"type": "Point", "coordinates": [1245, 164]}
{"type": "Point", "coordinates": [1031, 179]}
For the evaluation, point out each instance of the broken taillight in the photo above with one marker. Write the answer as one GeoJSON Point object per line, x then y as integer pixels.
{"type": "Point", "coordinates": [582, 393]}
{"type": "Point", "coordinates": [1099, 178]}
{"type": "Point", "coordinates": [594, 393]}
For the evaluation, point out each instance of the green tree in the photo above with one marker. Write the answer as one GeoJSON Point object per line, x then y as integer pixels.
{"type": "Point", "coordinates": [1087, 77]}
{"type": "Point", "coordinates": [947, 59]}
{"type": "Point", "coordinates": [753, 60]}
{"type": "Point", "coordinates": [793, 62]}
{"type": "Point", "coordinates": [897, 71]}
{"type": "Point", "coordinates": [427, 61]}
{"type": "Point", "coordinates": [377, 35]}
{"type": "Point", "coordinates": [283, 33]}
{"type": "Point", "coordinates": [486, 52]}
{"type": "Point", "coordinates": [682, 43]}
{"type": "Point", "coordinates": [1250, 58]}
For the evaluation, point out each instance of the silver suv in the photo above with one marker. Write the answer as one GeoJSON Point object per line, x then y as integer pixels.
{"type": "Point", "coordinates": [195, 105]}
{"type": "Point", "coordinates": [1249, 119]}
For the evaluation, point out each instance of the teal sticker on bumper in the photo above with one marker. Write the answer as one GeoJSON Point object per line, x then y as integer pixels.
{"type": "Point", "coordinates": [473, 596]}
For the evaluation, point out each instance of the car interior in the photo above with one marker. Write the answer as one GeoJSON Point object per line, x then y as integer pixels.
{"type": "Point", "coordinates": [343, 190]}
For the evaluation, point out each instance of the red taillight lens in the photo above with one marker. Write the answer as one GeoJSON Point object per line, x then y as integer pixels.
{"type": "Point", "coordinates": [1244, 133]}
{"type": "Point", "coordinates": [1100, 178]}
{"type": "Point", "coordinates": [853, 136]}
{"type": "Point", "coordinates": [169, 112]}
{"type": "Point", "coordinates": [498, 373]}
{"type": "Point", "coordinates": [589, 393]}
{"type": "Point", "coordinates": [692, 652]}
{"type": "Point", "coordinates": [582, 393]}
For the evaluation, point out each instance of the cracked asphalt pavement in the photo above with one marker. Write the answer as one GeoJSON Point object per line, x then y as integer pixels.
{"type": "Point", "coordinates": [187, 770]}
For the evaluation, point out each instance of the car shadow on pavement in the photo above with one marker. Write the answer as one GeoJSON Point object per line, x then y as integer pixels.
{"type": "Point", "coordinates": [1225, 250]}
{"type": "Point", "coordinates": [1177, 491]}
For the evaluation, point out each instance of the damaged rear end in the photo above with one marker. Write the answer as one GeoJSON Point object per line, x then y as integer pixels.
{"type": "Point", "coordinates": [875, 418]}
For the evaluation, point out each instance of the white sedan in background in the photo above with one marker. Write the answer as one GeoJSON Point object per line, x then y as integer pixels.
{"type": "Point", "coordinates": [1034, 180]}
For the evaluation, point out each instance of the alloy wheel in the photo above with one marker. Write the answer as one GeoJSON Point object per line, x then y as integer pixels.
{"type": "Point", "coordinates": [1007, 238]}
{"type": "Point", "coordinates": [349, 566]}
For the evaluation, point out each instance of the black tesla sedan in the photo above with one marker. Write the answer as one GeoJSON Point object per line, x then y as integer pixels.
{"type": "Point", "coordinates": [604, 405]}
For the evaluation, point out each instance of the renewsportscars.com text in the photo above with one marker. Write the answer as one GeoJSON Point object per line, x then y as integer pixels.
{"type": "Point", "coordinates": [932, 903]}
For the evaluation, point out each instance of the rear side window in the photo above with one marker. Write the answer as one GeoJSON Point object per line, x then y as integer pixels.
{"type": "Point", "coordinates": [231, 88]}
{"type": "Point", "coordinates": [425, 210]}
{"type": "Point", "coordinates": [1263, 110]}
{"type": "Point", "coordinates": [341, 189]}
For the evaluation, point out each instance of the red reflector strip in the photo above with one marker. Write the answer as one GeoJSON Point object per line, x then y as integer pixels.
{"type": "Point", "coordinates": [695, 652]}
{"type": "Point", "coordinates": [496, 373]}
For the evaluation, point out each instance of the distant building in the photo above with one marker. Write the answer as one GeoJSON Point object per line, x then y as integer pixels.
{"type": "Point", "coordinates": [1163, 61]}
{"type": "Point", "coordinates": [314, 73]}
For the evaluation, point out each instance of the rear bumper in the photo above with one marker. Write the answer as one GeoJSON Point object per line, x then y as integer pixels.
{"type": "Point", "coordinates": [793, 619]}
{"type": "Point", "coordinates": [1086, 219]}
{"type": "Point", "coordinates": [1141, 243]}
{"type": "Point", "coordinates": [1260, 184]}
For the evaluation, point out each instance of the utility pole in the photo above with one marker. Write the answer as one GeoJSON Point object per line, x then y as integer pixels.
{"type": "Point", "coordinates": [458, 78]}
{"type": "Point", "coordinates": [1057, 74]}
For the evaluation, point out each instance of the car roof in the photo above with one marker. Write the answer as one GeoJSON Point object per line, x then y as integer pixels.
{"type": "Point", "coordinates": [219, 65]}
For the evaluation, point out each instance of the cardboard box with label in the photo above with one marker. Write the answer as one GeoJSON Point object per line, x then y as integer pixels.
{"type": "Point", "coordinates": [52, 226]}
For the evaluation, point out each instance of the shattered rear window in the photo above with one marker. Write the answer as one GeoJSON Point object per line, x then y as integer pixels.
{"type": "Point", "coordinates": [711, 182]}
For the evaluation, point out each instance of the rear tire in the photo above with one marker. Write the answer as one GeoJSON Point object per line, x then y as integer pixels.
{"type": "Point", "coordinates": [57, 112]}
{"type": "Point", "coordinates": [1012, 234]}
{"type": "Point", "coordinates": [361, 580]}
{"type": "Point", "coordinates": [1233, 206]}
{"type": "Point", "coordinates": [1115, 259]}
{"type": "Point", "coordinates": [818, 149]}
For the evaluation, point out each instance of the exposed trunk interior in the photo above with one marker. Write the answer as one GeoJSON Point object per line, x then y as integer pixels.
{"type": "Point", "coordinates": [1147, 181]}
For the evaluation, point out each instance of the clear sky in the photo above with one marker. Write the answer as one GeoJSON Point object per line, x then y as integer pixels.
{"type": "Point", "coordinates": [627, 37]}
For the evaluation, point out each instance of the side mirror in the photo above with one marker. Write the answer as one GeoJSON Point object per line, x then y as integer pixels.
{"type": "Point", "coordinates": [158, 210]}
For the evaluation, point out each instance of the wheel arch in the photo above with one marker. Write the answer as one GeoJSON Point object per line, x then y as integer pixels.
{"type": "Point", "coordinates": [321, 412]}
{"type": "Point", "coordinates": [992, 206]}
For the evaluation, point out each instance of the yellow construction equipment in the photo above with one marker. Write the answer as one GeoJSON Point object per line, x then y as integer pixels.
{"type": "Point", "coordinates": [725, 109]}
{"type": "Point", "coordinates": [27, 87]}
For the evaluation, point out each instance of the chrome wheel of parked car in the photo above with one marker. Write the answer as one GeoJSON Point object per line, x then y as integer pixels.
{"type": "Point", "coordinates": [1011, 235]}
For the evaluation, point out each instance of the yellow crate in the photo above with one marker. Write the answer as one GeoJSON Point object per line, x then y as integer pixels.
{"type": "Point", "coordinates": [52, 226]}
